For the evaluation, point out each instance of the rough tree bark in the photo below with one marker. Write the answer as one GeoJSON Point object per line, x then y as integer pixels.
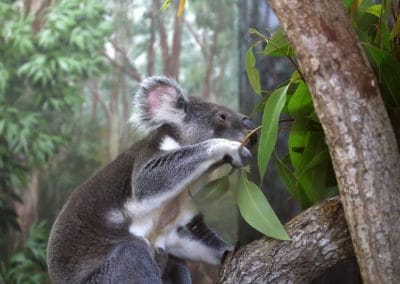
{"type": "Point", "coordinates": [320, 239]}
{"type": "Point", "coordinates": [358, 131]}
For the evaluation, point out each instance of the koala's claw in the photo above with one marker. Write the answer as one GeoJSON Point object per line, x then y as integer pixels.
{"type": "Point", "coordinates": [230, 151]}
{"type": "Point", "coordinates": [246, 155]}
{"type": "Point", "coordinates": [242, 159]}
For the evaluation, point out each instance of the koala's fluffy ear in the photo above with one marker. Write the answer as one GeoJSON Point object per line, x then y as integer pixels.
{"type": "Point", "coordinates": [158, 101]}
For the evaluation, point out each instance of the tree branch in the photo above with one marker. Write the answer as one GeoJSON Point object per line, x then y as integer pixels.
{"type": "Point", "coordinates": [196, 38]}
{"type": "Point", "coordinates": [320, 239]}
{"type": "Point", "coordinates": [94, 90]}
{"type": "Point", "coordinates": [128, 71]}
{"type": "Point", "coordinates": [130, 67]}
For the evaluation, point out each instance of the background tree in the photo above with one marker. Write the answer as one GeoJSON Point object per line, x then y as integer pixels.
{"type": "Point", "coordinates": [46, 52]}
{"type": "Point", "coordinates": [74, 67]}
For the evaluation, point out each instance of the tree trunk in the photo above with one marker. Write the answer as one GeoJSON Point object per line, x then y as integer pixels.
{"type": "Point", "coordinates": [320, 239]}
{"type": "Point", "coordinates": [170, 58]}
{"type": "Point", "coordinates": [27, 210]}
{"type": "Point", "coordinates": [358, 131]}
{"type": "Point", "coordinates": [150, 49]}
{"type": "Point", "coordinates": [114, 123]}
{"type": "Point", "coordinates": [175, 54]}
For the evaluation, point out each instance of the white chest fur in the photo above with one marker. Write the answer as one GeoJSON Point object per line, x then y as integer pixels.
{"type": "Point", "coordinates": [157, 224]}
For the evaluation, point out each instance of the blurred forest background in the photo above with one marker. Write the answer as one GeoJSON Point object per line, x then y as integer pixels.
{"type": "Point", "coordinates": [68, 70]}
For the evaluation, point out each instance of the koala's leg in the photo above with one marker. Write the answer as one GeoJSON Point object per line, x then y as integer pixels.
{"type": "Point", "coordinates": [168, 174]}
{"type": "Point", "coordinates": [197, 242]}
{"type": "Point", "coordinates": [128, 262]}
{"type": "Point", "coordinates": [176, 272]}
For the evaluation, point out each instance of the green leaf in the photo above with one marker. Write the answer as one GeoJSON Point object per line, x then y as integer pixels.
{"type": "Point", "coordinates": [313, 166]}
{"type": "Point", "coordinates": [257, 212]}
{"type": "Point", "coordinates": [314, 182]}
{"type": "Point", "coordinates": [374, 10]}
{"type": "Point", "coordinates": [295, 77]}
{"type": "Point", "coordinates": [278, 45]}
{"type": "Point", "coordinates": [301, 103]}
{"type": "Point", "coordinates": [313, 117]}
{"type": "Point", "coordinates": [269, 131]}
{"type": "Point", "coordinates": [318, 159]}
{"type": "Point", "coordinates": [166, 4]}
{"type": "Point", "coordinates": [347, 3]}
{"type": "Point", "coordinates": [387, 69]}
{"type": "Point", "coordinates": [213, 190]}
{"type": "Point", "coordinates": [314, 144]}
{"type": "Point", "coordinates": [252, 72]}
{"type": "Point", "coordinates": [298, 137]}
{"type": "Point", "coordinates": [396, 29]}
{"type": "Point", "coordinates": [287, 177]}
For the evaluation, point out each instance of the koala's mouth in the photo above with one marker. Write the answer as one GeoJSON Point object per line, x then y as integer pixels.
{"type": "Point", "coordinates": [251, 140]}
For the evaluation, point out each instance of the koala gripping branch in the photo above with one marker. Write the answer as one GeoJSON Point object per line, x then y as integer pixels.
{"type": "Point", "coordinates": [300, 260]}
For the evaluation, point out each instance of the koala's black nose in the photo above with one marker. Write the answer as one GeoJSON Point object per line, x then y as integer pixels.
{"type": "Point", "coordinates": [248, 124]}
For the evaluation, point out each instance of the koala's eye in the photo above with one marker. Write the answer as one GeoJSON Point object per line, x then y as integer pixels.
{"type": "Point", "coordinates": [222, 116]}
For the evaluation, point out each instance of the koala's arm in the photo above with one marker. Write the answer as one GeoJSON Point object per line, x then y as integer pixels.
{"type": "Point", "coordinates": [168, 174]}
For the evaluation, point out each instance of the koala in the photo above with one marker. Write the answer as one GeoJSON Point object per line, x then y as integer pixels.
{"type": "Point", "coordinates": [134, 221]}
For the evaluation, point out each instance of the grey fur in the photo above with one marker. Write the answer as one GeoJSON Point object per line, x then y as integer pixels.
{"type": "Point", "coordinates": [115, 225]}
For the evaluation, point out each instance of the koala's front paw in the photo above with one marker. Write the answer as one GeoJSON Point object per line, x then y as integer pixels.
{"type": "Point", "coordinates": [232, 152]}
{"type": "Point", "coordinates": [240, 158]}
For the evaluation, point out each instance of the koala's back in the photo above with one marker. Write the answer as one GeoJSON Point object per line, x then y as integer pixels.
{"type": "Point", "coordinates": [82, 236]}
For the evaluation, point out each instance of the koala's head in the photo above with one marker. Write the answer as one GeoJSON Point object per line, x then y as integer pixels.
{"type": "Point", "coordinates": [160, 101]}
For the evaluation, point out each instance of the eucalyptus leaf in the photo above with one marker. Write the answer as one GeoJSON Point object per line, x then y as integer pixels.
{"type": "Point", "coordinates": [374, 10]}
{"type": "Point", "coordinates": [317, 160]}
{"type": "Point", "coordinates": [301, 103]}
{"type": "Point", "coordinates": [314, 182]}
{"type": "Point", "coordinates": [313, 166]}
{"type": "Point", "coordinates": [298, 137]}
{"type": "Point", "coordinates": [213, 190]}
{"type": "Point", "coordinates": [252, 72]}
{"type": "Point", "coordinates": [288, 177]}
{"type": "Point", "coordinates": [269, 131]}
{"type": "Point", "coordinates": [387, 69]}
{"type": "Point", "coordinates": [396, 29]}
{"type": "Point", "coordinates": [278, 45]}
{"type": "Point", "coordinates": [257, 212]}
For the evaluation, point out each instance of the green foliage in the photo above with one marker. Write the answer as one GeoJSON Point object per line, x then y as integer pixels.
{"type": "Point", "coordinates": [269, 131]}
{"type": "Point", "coordinates": [214, 190]}
{"type": "Point", "coordinates": [277, 45]}
{"type": "Point", "coordinates": [61, 175]}
{"type": "Point", "coordinates": [256, 210]}
{"type": "Point", "coordinates": [28, 265]}
{"type": "Point", "coordinates": [43, 59]}
{"type": "Point", "coordinates": [378, 29]}
{"type": "Point", "coordinates": [306, 170]}
{"type": "Point", "coordinates": [252, 72]}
